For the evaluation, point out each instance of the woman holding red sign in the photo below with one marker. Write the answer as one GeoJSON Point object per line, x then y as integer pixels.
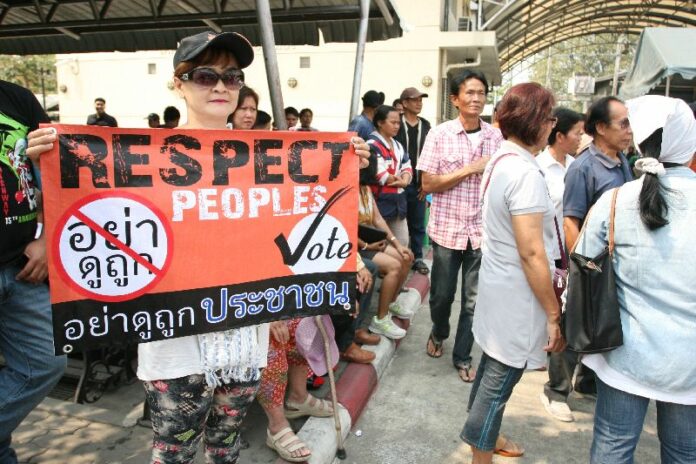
{"type": "Point", "coordinates": [200, 386]}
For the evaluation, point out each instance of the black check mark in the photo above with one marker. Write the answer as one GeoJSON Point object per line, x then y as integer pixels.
{"type": "Point", "coordinates": [292, 257]}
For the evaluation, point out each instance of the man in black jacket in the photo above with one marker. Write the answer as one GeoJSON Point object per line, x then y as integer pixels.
{"type": "Point", "coordinates": [412, 136]}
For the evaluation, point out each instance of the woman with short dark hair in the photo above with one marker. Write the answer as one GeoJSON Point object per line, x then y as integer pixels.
{"type": "Point", "coordinates": [517, 315]}
{"type": "Point", "coordinates": [654, 252]}
{"type": "Point", "coordinates": [394, 171]}
{"type": "Point", "coordinates": [244, 116]}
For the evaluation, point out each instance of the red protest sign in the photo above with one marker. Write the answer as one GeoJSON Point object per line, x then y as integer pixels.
{"type": "Point", "coordinates": [165, 233]}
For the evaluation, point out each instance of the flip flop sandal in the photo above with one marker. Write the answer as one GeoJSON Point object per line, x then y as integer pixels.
{"type": "Point", "coordinates": [437, 344]}
{"type": "Point", "coordinates": [285, 443]}
{"type": "Point", "coordinates": [320, 408]}
{"type": "Point", "coordinates": [465, 373]}
{"type": "Point", "coordinates": [515, 452]}
{"type": "Point", "coordinates": [421, 267]}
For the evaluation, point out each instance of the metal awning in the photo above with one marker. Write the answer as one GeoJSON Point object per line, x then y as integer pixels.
{"type": "Point", "coordinates": [526, 27]}
{"type": "Point", "coordinates": [661, 53]}
{"type": "Point", "coordinates": [73, 26]}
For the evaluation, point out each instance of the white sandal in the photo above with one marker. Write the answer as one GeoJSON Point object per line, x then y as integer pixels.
{"type": "Point", "coordinates": [320, 408]}
{"type": "Point", "coordinates": [285, 443]}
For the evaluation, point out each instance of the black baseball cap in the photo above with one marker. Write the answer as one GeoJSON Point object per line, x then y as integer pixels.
{"type": "Point", "coordinates": [192, 46]}
{"type": "Point", "coordinates": [373, 99]}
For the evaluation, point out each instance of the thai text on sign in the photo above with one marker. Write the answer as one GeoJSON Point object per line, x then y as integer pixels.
{"type": "Point", "coordinates": [157, 234]}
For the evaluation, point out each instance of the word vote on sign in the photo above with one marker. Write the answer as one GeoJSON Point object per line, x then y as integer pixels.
{"type": "Point", "coordinates": [156, 234]}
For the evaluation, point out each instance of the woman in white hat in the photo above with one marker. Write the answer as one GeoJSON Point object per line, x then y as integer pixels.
{"type": "Point", "coordinates": [655, 266]}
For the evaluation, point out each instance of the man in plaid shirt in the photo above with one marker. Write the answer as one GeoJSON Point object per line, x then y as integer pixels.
{"type": "Point", "coordinates": [454, 155]}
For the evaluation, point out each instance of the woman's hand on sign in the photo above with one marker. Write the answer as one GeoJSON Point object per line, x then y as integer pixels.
{"type": "Point", "coordinates": [36, 269]}
{"type": "Point", "coordinates": [40, 141]}
{"type": "Point", "coordinates": [280, 332]}
{"type": "Point", "coordinates": [362, 149]}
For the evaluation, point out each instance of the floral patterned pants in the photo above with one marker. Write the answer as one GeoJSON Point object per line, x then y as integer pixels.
{"type": "Point", "coordinates": [274, 378]}
{"type": "Point", "coordinates": [186, 409]}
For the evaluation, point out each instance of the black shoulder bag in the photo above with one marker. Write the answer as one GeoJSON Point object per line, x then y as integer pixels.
{"type": "Point", "coordinates": [591, 320]}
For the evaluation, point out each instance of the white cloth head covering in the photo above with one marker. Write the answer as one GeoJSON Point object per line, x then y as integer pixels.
{"type": "Point", "coordinates": [651, 112]}
{"type": "Point", "coordinates": [651, 166]}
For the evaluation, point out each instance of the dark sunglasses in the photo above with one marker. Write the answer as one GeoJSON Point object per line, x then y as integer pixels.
{"type": "Point", "coordinates": [233, 79]}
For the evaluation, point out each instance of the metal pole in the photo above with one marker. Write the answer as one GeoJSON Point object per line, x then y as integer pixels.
{"type": "Point", "coordinates": [669, 81]}
{"type": "Point", "coordinates": [43, 87]}
{"type": "Point", "coordinates": [617, 65]}
{"type": "Point", "coordinates": [548, 68]}
{"type": "Point", "coordinates": [263, 14]}
{"type": "Point", "coordinates": [359, 57]}
{"type": "Point", "coordinates": [479, 12]}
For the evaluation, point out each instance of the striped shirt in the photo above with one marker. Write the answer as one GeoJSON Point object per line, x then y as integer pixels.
{"type": "Point", "coordinates": [455, 214]}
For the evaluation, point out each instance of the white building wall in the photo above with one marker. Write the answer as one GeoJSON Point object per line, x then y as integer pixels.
{"type": "Point", "coordinates": [390, 66]}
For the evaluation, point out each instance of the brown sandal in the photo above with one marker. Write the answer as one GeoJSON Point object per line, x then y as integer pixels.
{"type": "Point", "coordinates": [509, 448]}
{"type": "Point", "coordinates": [467, 373]}
{"type": "Point", "coordinates": [285, 443]}
{"type": "Point", "coordinates": [437, 345]}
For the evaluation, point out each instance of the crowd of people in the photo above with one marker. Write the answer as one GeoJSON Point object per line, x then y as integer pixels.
{"type": "Point", "coordinates": [507, 200]}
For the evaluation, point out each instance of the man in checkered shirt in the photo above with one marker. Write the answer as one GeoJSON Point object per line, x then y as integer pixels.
{"type": "Point", "coordinates": [454, 155]}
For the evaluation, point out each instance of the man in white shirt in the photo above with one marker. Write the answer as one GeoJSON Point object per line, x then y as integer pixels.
{"type": "Point", "coordinates": [554, 161]}
{"type": "Point", "coordinates": [564, 142]}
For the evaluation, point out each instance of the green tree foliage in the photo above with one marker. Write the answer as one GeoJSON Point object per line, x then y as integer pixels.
{"type": "Point", "coordinates": [26, 71]}
{"type": "Point", "coordinates": [581, 56]}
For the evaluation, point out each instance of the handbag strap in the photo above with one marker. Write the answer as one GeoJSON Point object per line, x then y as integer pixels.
{"type": "Point", "coordinates": [564, 259]}
{"type": "Point", "coordinates": [490, 174]}
{"type": "Point", "coordinates": [612, 214]}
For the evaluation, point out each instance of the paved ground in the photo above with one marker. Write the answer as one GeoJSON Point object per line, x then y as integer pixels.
{"type": "Point", "coordinates": [419, 409]}
{"type": "Point", "coordinates": [414, 417]}
{"type": "Point", "coordinates": [61, 433]}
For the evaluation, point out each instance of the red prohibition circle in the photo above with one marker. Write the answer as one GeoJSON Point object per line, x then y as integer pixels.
{"type": "Point", "coordinates": [55, 246]}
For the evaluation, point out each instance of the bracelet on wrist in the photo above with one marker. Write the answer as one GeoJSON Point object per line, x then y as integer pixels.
{"type": "Point", "coordinates": [364, 246]}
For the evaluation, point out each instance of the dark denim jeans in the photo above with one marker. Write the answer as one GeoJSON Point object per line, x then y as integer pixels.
{"type": "Point", "coordinates": [26, 342]}
{"type": "Point", "coordinates": [489, 395]}
{"type": "Point", "coordinates": [445, 273]}
{"type": "Point", "coordinates": [618, 422]}
{"type": "Point", "coordinates": [345, 326]}
{"type": "Point", "coordinates": [415, 217]}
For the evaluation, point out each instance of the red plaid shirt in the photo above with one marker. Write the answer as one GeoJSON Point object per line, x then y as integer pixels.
{"type": "Point", "coordinates": [455, 215]}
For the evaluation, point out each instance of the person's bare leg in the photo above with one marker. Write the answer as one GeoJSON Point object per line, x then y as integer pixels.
{"type": "Point", "coordinates": [297, 385]}
{"type": "Point", "coordinates": [391, 284]}
{"type": "Point", "coordinates": [404, 267]}
{"type": "Point", "coordinates": [481, 457]}
{"type": "Point", "coordinates": [277, 422]}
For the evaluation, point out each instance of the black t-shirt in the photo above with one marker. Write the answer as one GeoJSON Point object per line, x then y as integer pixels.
{"type": "Point", "coordinates": [412, 143]}
{"type": "Point", "coordinates": [20, 113]}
